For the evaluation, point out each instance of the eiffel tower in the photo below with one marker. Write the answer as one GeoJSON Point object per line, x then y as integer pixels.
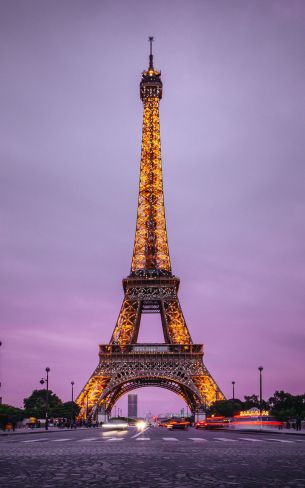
{"type": "Point", "coordinates": [124, 364]}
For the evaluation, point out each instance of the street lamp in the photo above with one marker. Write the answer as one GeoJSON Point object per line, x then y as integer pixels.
{"type": "Point", "coordinates": [233, 388]}
{"type": "Point", "coordinates": [0, 381]}
{"type": "Point", "coordinates": [42, 381]}
{"type": "Point", "coordinates": [72, 404]}
{"type": "Point", "coordinates": [87, 405]}
{"type": "Point", "coordinates": [260, 368]}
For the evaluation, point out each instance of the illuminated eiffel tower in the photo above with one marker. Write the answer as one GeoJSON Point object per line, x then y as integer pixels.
{"type": "Point", "coordinates": [124, 364]}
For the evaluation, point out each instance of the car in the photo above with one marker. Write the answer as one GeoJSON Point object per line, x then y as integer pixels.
{"type": "Point", "coordinates": [162, 423]}
{"type": "Point", "coordinates": [212, 423]}
{"type": "Point", "coordinates": [178, 424]}
{"type": "Point", "coordinates": [115, 424]}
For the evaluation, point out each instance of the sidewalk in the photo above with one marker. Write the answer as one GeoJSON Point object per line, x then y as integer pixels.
{"type": "Point", "coordinates": [269, 431]}
{"type": "Point", "coordinates": [41, 430]}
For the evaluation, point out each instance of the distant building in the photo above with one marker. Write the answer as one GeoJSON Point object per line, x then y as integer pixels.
{"type": "Point", "coordinates": [132, 406]}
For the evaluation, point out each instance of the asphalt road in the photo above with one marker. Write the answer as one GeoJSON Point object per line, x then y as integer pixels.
{"type": "Point", "coordinates": [154, 458]}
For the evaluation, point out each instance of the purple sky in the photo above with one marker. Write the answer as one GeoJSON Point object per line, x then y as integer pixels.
{"type": "Point", "coordinates": [233, 132]}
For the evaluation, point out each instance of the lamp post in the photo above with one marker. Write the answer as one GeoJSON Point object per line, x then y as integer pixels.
{"type": "Point", "coordinates": [0, 381]}
{"type": "Point", "coordinates": [260, 368]}
{"type": "Point", "coordinates": [42, 381]}
{"type": "Point", "coordinates": [72, 404]}
{"type": "Point", "coordinates": [233, 390]}
{"type": "Point", "coordinates": [87, 406]}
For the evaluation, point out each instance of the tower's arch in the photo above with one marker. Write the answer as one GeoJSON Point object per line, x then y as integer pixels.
{"type": "Point", "coordinates": [109, 397]}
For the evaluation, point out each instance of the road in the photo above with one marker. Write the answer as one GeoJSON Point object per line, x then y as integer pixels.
{"type": "Point", "coordinates": [154, 458]}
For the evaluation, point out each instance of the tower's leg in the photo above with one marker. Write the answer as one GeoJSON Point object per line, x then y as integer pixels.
{"type": "Point", "coordinates": [177, 330]}
{"type": "Point", "coordinates": [88, 398]}
{"type": "Point", "coordinates": [127, 326]}
{"type": "Point", "coordinates": [207, 387]}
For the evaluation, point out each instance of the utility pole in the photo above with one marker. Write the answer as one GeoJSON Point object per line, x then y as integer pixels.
{"type": "Point", "coordinates": [72, 404]}
{"type": "Point", "coordinates": [233, 388]}
{"type": "Point", "coordinates": [260, 368]}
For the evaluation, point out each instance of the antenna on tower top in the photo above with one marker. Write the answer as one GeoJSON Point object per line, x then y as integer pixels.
{"type": "Point", "coordinates": [151, 64]}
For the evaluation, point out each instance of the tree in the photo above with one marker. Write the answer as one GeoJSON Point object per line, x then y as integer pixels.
{"type": "Point", "coordinates": [252, 401]}
{"type": "Point", "coordinates": [65, 410]}
{"type": "Point", "coordinates": [226, 408]}
{"type": "Point", "coordinates": [36, 404]}
{"type": "Point", "coordinates": [285, 406]}
{"type": "Point", "coordinates": [9, 414]}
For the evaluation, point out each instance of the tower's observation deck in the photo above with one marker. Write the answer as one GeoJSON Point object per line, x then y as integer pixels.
{"type": "Point", "coordinates": [151, 84]}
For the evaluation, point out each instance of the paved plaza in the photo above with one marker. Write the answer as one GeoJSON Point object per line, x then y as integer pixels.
{"type": "Point", "coordinates": [154, 458]}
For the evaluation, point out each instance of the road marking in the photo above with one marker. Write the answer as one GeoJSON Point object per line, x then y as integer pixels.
{"type": "Point", "coordinates": [60, 440]}
{"type": "Point", "coordinates": [250, 439]}
{"type": "Point", "coordinates": [37, 440]}
{"type": "Point", "coordinates": [281, 440]}
{"type": "Point", "coordinates": [115, 439]}
{"type": "Point", "coordinates": [143, 439]}
{"type": "Point", "coordinates": [169, 438]}
{"type": "Point", "coordinates": [89, 439]}
{"type": "Point", "coordinates": [197, 439]}
{"type": "Point", "coordinates": [224, 439]}
{"type": "Point", "coordinates": [139, 433]}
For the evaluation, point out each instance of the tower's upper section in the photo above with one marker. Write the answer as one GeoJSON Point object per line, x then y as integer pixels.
{"type": "Point", "coordinates": [150, 253]}
{"type": "Point", "coordinates": [151, 84]}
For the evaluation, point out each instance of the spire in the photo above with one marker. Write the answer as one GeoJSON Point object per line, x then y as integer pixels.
{"type": "Point", "coordinates": [151, 84]}
{"type": "Point", "coordinates": [151, 57]}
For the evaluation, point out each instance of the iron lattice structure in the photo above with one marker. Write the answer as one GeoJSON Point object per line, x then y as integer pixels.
{"type": "Point", "coordinates": [151, 287]}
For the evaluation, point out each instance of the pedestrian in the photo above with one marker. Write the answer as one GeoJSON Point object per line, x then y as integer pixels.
{"type": "Point", "coordinates": [298, 423]}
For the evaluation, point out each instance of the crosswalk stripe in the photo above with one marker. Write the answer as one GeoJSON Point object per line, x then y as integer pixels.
{"type": "Point", "coordinates": [37, 440]}
{"type": "Point", "coordinates": [197, 439]}
{"type": "Point", "coordinates": [88, 439]}
{"type": "Point", "coordinates": [281, 440]}
{"type": "Point", "coordinates": [224, 439]}
{"type": "Point", "coordinates": [115, 439]}
{"type": "Point", "coordinates": [143, 439]}
{"type": "Point", "coordinates": [169, 438]}
{"type": "Point", "coordinates": [250, 439]}
{"type": "Point", "coordinates": [60, 440]}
